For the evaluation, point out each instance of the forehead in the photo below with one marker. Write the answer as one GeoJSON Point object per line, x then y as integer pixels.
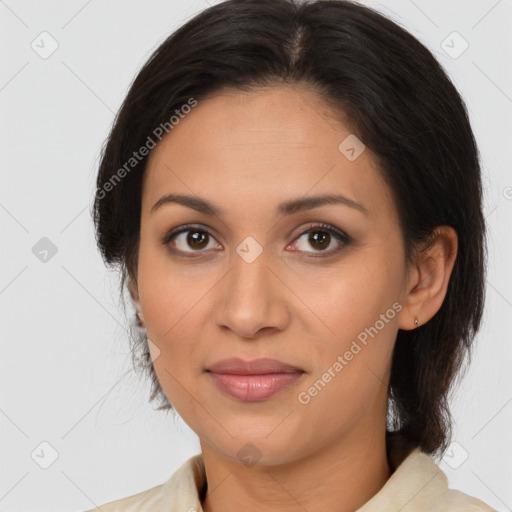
{"type": "Point", "coordinates": [282, 141]}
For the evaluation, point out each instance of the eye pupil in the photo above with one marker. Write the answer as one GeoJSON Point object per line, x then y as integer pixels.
{"type": "Point", "coordinates": [313, 239]}
{"type": "Point", "coordinates": [196, 237]}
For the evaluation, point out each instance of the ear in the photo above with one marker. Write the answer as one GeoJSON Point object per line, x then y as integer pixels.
{"type": "Point", "coordinates": [429, 277]}
{"type": "Point", "coordinates": [134, 294]}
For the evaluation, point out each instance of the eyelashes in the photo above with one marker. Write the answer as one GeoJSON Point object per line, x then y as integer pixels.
{"type": "Point", "coordinates": [201, 234]}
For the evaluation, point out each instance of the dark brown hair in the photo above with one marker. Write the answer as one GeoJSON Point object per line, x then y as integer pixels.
{"type": "Point", "coordinates": [397, 99]}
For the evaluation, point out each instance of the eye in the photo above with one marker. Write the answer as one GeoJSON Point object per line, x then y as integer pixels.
{"type": "Point", "coordinates": [187, 236]}
{"type": "Point", "coordinates": [320, 237]}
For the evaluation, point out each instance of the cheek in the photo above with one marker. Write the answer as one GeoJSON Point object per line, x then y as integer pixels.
{"type": "Point", "coordinates": [168, 302]}
{"type": "Point", "coordinates": [354, 295]}
{"type": "Point", "coordinates": [166, 289]}
{"type": "Point", "coordinates": [353, 362]}
{"type": "Point", "coordinates": [172, 317]}
{"type": "Point", "coordinates": [359, 305]}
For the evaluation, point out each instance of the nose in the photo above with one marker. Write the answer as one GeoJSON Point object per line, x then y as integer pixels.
{"type": "Point", "coordinates": [251, 299]}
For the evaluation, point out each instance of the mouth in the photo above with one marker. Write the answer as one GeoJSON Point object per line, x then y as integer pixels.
{"type": "Point", "coordinates": [262, 366]}
{"type": "Point", "coordinates": [255, 380]}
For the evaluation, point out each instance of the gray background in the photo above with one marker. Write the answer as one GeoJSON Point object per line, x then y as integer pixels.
{"type": "Point", "coordinates": [65, 370]}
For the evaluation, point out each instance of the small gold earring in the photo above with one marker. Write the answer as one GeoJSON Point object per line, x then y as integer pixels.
{"type": "Point", "coordinates": [416, 322]}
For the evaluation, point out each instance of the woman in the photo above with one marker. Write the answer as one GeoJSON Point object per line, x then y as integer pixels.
{"type": "Point", "coordinates": [292, 192]}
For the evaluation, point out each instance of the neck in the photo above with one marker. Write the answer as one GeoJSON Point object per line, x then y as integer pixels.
{"type": "Point", "coordinates": [340, 477]}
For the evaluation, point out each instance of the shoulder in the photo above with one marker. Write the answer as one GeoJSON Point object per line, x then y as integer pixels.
{"type": "Point", "coordinates": [180, 492]}
{"type": "Point", "coordinates": [139, 502]}
{"type": "Point", "coordinates": [420, 474]}
{"type": "Point", "coordinates": [456, 501]}
{"type": "Point", "coordinates": [419, 485]}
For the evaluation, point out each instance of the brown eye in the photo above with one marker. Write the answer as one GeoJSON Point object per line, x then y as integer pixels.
{"type": "Point", "coordinates": [321, 241]}
{"type": "Point", "coordinates": [320, 238]}
{"type": "Point", "coordinates": [189, 240]}
{"type": "Point", "coordinates": [196, 239]}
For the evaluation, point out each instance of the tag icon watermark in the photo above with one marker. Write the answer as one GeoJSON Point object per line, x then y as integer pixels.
{"type": "Point", "coordinates": [351, 147]}
{"type": "Point", "coordinates": [44, 250]}
{"type": "Point", "coordinates": [454, 45]}
{"type": "Point", "coordinates": [44, 455]}
{"type": "Point", "coordinates": [44, 45]}
{"type": "Point", "coordinates": [455, 455]}
{"type": "Point", "coordinates": [249, 249]}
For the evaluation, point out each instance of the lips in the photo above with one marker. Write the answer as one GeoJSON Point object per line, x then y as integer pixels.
{"type": "Point", "coordinates": [253, 381]}
{"type": "Point", "coordinates": [262, 366]}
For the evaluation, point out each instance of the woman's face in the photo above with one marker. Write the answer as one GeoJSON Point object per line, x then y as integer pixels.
{"type": "Point", "coordinates": [255, 280]}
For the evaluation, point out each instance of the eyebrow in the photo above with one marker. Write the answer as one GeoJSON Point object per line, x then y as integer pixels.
{"type": "Point", "coordinates": [287, 208]}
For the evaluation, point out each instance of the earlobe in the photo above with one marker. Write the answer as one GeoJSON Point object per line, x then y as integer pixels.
{"type": "Point", "coordinates": [426, 290]}
{"type": "Point", "coordinates": [139, 314]}
{"type": "Point", "coordinates": [134, 294]}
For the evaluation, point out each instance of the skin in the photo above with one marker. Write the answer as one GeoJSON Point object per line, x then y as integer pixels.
{"type": "Point", "coordinates": [246, 153]}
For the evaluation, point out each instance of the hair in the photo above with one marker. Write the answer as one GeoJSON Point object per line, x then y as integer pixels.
{"type": "Point", "coordinates": [398, 101]}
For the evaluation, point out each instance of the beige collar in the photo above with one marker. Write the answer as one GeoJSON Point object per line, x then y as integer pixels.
{"type": "Point", "coordinates": [416, 485]}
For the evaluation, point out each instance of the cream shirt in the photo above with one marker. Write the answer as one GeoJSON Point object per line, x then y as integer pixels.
{"type": "Point", "coordinates": [416, 485]}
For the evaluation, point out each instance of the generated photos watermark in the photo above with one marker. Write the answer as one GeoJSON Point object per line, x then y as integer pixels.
{"type": "Point", "coordinates": [143, 151]}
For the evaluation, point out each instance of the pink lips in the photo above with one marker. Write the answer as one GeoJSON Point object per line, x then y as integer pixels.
{"type": "Point", "coordinates": [253, 380]}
